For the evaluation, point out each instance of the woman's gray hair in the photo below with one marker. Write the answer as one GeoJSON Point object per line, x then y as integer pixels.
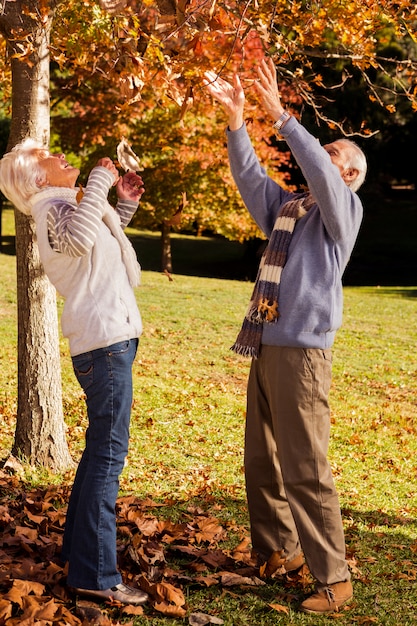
{"type": "Point", "coordinates": [357, 161]}
{"type": "Point", "coordinates": [21, 175]}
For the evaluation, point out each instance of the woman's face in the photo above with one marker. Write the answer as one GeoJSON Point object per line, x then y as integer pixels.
{"type": "Point", "coordinates": [58, 172]}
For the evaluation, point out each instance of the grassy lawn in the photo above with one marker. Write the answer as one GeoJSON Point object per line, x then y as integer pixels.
{"type": "Point", "coordinates": [186, 449]}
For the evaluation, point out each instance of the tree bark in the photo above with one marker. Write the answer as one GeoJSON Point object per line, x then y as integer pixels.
{"type": "Point", "coordinates": [166, 260]}
{"type": "Point", "coordinates": [40, 431]}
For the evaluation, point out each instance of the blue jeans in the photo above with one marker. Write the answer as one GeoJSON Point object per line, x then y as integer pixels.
{"type": "Point", "coordinates": [89, 543]}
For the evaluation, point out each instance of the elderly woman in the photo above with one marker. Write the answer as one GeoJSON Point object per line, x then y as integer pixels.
{"type": "Point", "coordinates": [90, 261]}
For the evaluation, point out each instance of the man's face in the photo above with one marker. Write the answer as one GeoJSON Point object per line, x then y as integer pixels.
{"type": "Point", "coordinates": [59, 173]}
{"type": "Point", "coordinates": [340, 154]}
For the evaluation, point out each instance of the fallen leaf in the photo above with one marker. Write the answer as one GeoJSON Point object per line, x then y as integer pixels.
{"type": "Point", "coordinates": [201, 619]}
{"type": "Point", "coordinates": [209, 530]}
{"type": "Point", "coordinates": [5, 610]}
{"type": "Point", "coordinates": [22, 588]}
{"type": "Point", "coordinates": [280, 608]}
{"type": "Point", "coordinates": [133, 610]}
{"type": "Point", "coordinates": [208, 581]}
{"type": "Point", "coordinates": [228, 579]}
{"type": "Point", "coordinates": [91, 614]}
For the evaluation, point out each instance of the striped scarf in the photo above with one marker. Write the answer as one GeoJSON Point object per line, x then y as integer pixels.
{"type": "Point", "coordinates": [263, 305]}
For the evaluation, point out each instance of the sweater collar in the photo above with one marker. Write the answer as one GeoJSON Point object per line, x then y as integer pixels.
{"type": "Point", "coordinates": [63, 193]}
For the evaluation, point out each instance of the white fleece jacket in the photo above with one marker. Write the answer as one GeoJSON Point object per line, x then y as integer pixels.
{"type": "Point", "coordinates": [83, 260]}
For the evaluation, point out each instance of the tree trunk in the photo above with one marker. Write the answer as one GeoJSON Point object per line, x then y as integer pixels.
{"type": "Point", "coordinates": [1, 222]}
{"type": "Point", "coordinates": [166, 261]}
{"type": "Point", "coordinates": [40, 431]}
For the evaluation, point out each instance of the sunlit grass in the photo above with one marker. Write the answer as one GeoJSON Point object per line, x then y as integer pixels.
{"type": "Point", "coordinates": [188, 423]}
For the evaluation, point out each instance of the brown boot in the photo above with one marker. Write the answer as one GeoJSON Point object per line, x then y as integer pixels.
{"type": "Point", "coordinates": [329, 599]}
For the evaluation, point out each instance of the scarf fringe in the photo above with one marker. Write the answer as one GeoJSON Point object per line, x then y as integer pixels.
{"type": "Point", "coordinates": [247, 351]}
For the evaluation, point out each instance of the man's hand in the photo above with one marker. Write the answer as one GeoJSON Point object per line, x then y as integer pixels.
{"type": "Point", "coordinates": [267, 89]}
{"type": "Point", "coordinates": [232, 97]}
{"type": "Point", "coordinates": [130, 187]}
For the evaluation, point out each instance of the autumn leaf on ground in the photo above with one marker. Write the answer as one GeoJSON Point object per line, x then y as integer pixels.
{"type": "Point", "coordinates": [14, 466]}
{"type": "Point", "coordinates": [90, 613]}
{"type": "Point", "coordinates": [5, 610]}
{"type": "Point", "coordinates": [279, 608]}
{"type": "Point", "coordinates": [209, 530]}
{"type": "Point", "coordinates": [410, 574]}
{"type": "Point", "coordinates": [148, 552]}
{"type": "Point", "coordinates": [242, 552]}
{"type": "Point", "coordinates": [275, 564]}
{"type": "Point", "coordinates": [217, 559]}
{"type": "Point", "coordinates": [5, 518]}
{"type": "Point", "coordinates": [65, 617]}
{"type": "Point", "coordinates": [166, 598]}
{"type": "Point", "coordinates": [208, 581]}
{"type": "Point", "coordinates": [201, 619]}
{"type": "Point", "coordinates": [21, 589]}
{"type": "Point", "coordinates": [229, 579]}
{"type": "Point", "coordinates": [133, 610]}
{"type": "Point", "coordinates": [38, 610]}
{"type": "Point", "coordinates": [302, 576]}
{"type": "Point", "coordinates": [171, 610]}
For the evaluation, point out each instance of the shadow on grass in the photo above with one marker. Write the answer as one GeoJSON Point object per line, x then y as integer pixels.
{"type": "Point", "coordinates": [215, 257]}
{"type": "Point", "coordinates": [385, 253]}
{"type": "Point", "coordinates": [394, 292]}
{"type": "Point", "coordinates": [8, 245]}
{"type": "Point", "coordinates": [209, 257]}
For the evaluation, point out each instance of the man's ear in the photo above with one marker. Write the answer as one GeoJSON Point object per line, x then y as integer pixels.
{"type": "Point", "coordinates": [350, 174]}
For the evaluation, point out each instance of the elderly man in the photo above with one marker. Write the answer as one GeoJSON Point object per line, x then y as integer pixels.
{"type": "Point", "coordinates": [288, 330]}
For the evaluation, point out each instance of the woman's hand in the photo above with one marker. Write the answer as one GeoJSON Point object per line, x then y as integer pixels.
{"type": "Point", "coordinates": [109, 165]}
{"type": "Point", "coordinates": [130, 187]}
{"type": "Point", "coordinates": [232, 97]}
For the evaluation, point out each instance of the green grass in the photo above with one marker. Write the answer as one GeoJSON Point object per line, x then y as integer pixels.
{"type": "Point", "coordinates": [187, 434]}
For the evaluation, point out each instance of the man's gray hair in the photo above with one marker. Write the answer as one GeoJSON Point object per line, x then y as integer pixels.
{"type": "Point", "coordinates": [357, 161]}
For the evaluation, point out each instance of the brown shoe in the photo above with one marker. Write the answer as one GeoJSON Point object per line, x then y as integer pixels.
{"type": "Point", "coordinates": [120, 593]}
{"type": "Point", "coordinates": [329, 599]}
{"type": "Point", "coordinates": [278, 566]}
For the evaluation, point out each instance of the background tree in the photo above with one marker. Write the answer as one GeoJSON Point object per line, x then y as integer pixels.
{"type": "Point", "coordinates": [40, 435]}
{"type": "Point", "coordinates": [350, 66]}
{"type": "Point", "coordinates": [171, 39]}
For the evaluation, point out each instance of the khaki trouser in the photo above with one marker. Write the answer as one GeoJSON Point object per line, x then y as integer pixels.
{"type": "Point", "coordinates": [293, 504]}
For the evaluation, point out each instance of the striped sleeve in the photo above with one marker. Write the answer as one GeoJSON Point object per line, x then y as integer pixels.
{"type": "Point", "coordinates": [73, 230]}
{"type": "Point", "coordinates": [126, 209]}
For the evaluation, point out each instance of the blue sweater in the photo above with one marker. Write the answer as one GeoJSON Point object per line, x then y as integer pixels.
{"type": "Point", "coordinates": [311, 294]}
